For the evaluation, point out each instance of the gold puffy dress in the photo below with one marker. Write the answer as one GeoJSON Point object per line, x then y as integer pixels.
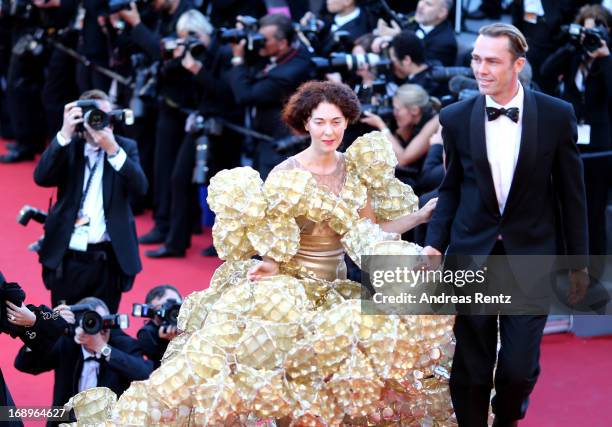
{"type": "Point", "coordinates": [295, 347]}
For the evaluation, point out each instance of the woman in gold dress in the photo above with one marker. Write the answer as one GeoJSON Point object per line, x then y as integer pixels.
{"type": "Point", "coordinates": [284, 338]}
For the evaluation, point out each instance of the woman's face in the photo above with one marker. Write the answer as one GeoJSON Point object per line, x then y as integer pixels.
{"type": "Point", "coordinates": [326, 127]}
{"type": "Point", "coordinates": [405, 115]}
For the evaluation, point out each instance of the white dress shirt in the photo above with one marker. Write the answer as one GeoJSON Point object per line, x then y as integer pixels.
{"type": "Point", "coordinates": [423, 30]}
{"type": "Point", "coordinates": [93, 206]}
{"type": "Point", "coordinates": [503, 138]}
{"type": "Point", "coordinates": [534, 6]}
{"type": "Point", "coordinates": [90, 371]}
{"type": "Point", "coordinates": [339, 21]}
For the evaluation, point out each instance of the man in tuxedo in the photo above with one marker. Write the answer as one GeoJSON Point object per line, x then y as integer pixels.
{"type": "Point", "coordinates": [90, 246]}
{"type": "Point", "coordinates": [109, 358]}
{"type": "Point", "coordinates": [431, 24]}
{"type": "Point", "coordinates": [498, 198]}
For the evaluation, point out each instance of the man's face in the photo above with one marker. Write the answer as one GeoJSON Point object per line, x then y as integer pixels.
{"type": "Point", "coordinates": [494, 66]}
{"type": "Point", "coordinates": [400, 67]}
{"type": "Point", "coordinates": [80, 335]}
{"type": "Point", "coordinates": [340, 6]}
{"type": "Point", "coordinates": [431, 12]}
{"type": "Point", "coordinates": [273, 46]}
{"type": "Point", "coordinates": [169, 294]}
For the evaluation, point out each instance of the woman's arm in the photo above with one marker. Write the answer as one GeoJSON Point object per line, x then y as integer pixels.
{"type": "Point", "coordinates": [404, 223]}
{"type": "Point", "coordinates": [418, 146]}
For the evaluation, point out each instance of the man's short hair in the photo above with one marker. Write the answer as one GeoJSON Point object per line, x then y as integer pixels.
{"type": "Point", "coordinates": [95, 94]}
{"type": "Point", "coordinates": [93, 301]}
{"type": "Point", "coordinates": [284, 26]}
{"type": "Point", "coordinates": [517, 41]}
{"type": "Point", "coordinates": [407, 43]}
{"type": "Point", "coordinates": [159, 291]}
{"type": "Point", "coordinates": [194, 21]}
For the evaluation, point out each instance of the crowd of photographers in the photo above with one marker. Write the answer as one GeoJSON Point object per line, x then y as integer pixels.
{"type": "Point", "coordinates": [201, 84]}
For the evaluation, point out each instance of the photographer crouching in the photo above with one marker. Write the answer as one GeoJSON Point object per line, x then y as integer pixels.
{"type": "Point", "coordinates": [90, 246]}
{"type": "Point", "coordinates": [584, 69]}
{"type": "Point", "coordinates": [162, 305]}
{"type": "Point", "coordinates": [92, 352]}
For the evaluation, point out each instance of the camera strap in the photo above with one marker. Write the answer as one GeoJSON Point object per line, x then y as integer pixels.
{"type": "Point", "coordinates": [92, 172]}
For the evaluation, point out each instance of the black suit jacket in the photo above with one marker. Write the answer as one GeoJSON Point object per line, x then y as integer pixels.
{"type": "Point", "coordinates": [467, 220]}
{"type": "Point", "coordinates": [440, 43]}
{"type": "Point", "coordinates": [356, 28]}
{"type": "Point", "coordinates": [594, 107]}
{"type": "Point", "coordinates": [65, 358]}
{"type": "Point", "coordinates": [64, 168]}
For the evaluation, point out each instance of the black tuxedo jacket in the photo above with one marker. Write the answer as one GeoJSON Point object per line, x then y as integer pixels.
{"type": "Point", "coordinates": [65, 358]}
{"type": "Point", "coordinates": [64, 168]}
{"type": "Point", "coordinates": [548, 173]}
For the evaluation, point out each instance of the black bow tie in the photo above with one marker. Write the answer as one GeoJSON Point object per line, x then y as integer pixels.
{"type": "Point", "coordinates": [91, 359]}
{"type": "Point", "coordinates": [512, 113]}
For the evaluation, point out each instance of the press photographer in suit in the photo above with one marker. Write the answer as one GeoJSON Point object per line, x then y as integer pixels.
{"type": "Point", "coordinates": [90, 246]}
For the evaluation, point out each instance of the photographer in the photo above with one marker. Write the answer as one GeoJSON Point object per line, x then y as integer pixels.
{"type": "Point", "coordinates": [108, 358]}
{"type": "Point", "coordinates": [267, 88]}
{"type": "Point", "coordinates": [90, 245]}
{"type": "Point", "coordinates": [407, 53]}
{"type": "Point", "coordinates": [175, 92]}
{"type": "Point", "coordinates": [416, 117]}
{"type": "Point", "coordinates": [584, 67]}
{"type": "Point", "coordinates": [208, 62]}
{"type": "Point", "coordinates": [156, 333]}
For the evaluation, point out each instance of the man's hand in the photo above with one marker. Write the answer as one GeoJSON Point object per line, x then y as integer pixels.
{"type": "Point", "coordinates": [20, 316]}
{"type": "Point", "coordinates": [383, 29]}
{"type": "Point", "coordinates": [65, 313]}
{"type": "Point", "coordinates": [579, 284]}
{"type": "Point", "coordinates": [434, 257]}
{"type": "Point", "coordinates": [168, 332]}
{"type": "Point", "coordinates": [238, 49]}
{"type": "Point", "coordinates": [73, 115]}
{"type": "Point", "coordinates": [373, 120]}
{"type": "Point", "coordinates": [103, 138]}
{"type": "Point", "coordinates": [92, 343]}
{"type": "Point", "coordinates": [131, 15]}
{"type": "Point", "coordinates": [603, 51]}
{"type": "Point", "coordinates": [45, 4]}
{"type": "Point", "coordinates": [191, 64]}
{"type": "Point", "coordinates": [367, 77]}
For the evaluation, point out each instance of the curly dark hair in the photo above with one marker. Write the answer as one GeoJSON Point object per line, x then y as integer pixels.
{"type": "Point", "coordinates": [309, 95]}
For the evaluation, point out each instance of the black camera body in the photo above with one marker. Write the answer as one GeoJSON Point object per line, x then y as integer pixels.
{"type": "Point", "coordinates": [168, 312]}
{"type": "Point", "coordinates": [98, 119]}
{"type": "Point", "coordinates": [254, 40]}
{"type": "Point", "coordinates": [28, 212]}
{"type": "Point", "coordinates": [588, 39]}
{"type": "Point", "coordinates": [91, 322]}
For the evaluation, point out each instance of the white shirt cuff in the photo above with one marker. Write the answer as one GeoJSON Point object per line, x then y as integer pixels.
{"type": "Point", "coordinates": [61, 140]}
{"type": "Point", "coordinates": [118, 161]}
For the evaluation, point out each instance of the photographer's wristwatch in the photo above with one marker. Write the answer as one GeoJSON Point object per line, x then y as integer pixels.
{"type": "Point", "coordinates": [106, 352]}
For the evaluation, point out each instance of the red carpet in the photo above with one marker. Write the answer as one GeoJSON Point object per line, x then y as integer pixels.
{"type": "Point", "coordinates": [575, 387]}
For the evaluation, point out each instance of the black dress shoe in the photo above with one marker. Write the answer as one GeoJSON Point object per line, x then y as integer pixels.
{"type": "Point", "coordinates": [164, 252]}
{"type": "Point", "coordinates": [16, 156]}
{"type": "Point", "coordinates": [209, 251]}
{"type": "Point", "coordinates": [153, 237]}
{"type": "Point", "coordinates": [501, 423]}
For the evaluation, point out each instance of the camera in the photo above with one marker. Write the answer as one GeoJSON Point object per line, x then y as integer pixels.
{"type": "Point", "coordinates": [28, 212]}
{"type": "Point", "coordinates": [588, 39]}
{"type": "Point", "coordinates": [192, 45]}
{"type": "Point", "coordinates": [98, 119]}
{"type": "Point", "coordinates": [168, 312]}
{"type": "Point", "coordinates": [254, 40]}
{"type": "Point", "coordinates": [340, 61]}
{"type": "Point", "coordinates": [91, 322]}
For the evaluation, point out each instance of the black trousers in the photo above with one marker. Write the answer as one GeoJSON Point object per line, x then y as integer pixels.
{"type": "Point", "coordinates": [474, 373]}
{"type": "Point", "coordinates": [170, 133]}
{"type": "Point", "coordinates": [95, 273]}
{"type": "Point", "coordinates": [597, 181]}
{"type": "Point", "coordinates": [223, 153]}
